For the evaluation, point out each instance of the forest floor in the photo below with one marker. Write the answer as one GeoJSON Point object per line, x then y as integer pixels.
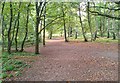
{"type": "Point", "coordinates": [73, 61]}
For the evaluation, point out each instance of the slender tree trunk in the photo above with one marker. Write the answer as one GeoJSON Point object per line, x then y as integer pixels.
{"type": "Point", "coordinates": [44, 27]}
{"type": "Point", "coordinates": [101, 31]}
{"type": "Point", "coordinates": [16, 23]}
{"type": "Point", "coordinates": [14, 29]}
{"type": "Point", "coordinates": [40, 31]}
{"type": "Point", "coordinates": [85, 39]}
{"type": "Point", "coordinates": [96, 23]}
{"type": "Point", "coordinates": [9, 30]}
{"type": "Point", "coordinates": [95, 35]}
{"type": "Point", "coordinates": [38, 17]}
{"type": "Point", "coordinates": [75, 35]}
{"type": "Point", "coordinates": [26, 33]}
{"type": "Point", "coordinates": [36, 30]}
{"type": "Point", "coordinates": [70, 31]}
{"type": "Point", "coordinates": [17, 30]}
{"type": "Point", "coordinates": [89, 21]}
{"type": "Point", "coordinates": [3, 41]}
{"type": "Point", "coordinates": [114, 35]}
{"type": "Point", "coordinates": [69, 28]}
{"type": "Point", "coordinates": [108, 34]}
{"type": "Point", "coordinates": [65, 35]}
{"type": "Point", "coordinates": [51, 34]}
{"type": "Point", "coordinates": [108, 31]}
{"type": "Point", "coordinates": [104, 22]}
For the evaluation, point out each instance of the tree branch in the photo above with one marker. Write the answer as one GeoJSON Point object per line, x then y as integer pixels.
{"type": "Point", "coordinates": [116, 9]}
{"type": "Point", "coordinates": [50, 23]}
{"type": "Point", "coordinates": [117, 18]}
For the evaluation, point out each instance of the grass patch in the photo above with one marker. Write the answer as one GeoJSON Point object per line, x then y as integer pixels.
{"type": "Point", "coordinates": [23, 54]}
{"type": "Point", "coordinates": [106, 40]}
{"type": "Point", "coordinates": [99, 40]}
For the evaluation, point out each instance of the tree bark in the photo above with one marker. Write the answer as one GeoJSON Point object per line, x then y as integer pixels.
{"type": "Point", "coordinates": [16, 23]}
{"type": "Point", "coordinates": [36, 30]}
{"type": "Point", "coordinates": [108, 34]}
{"type": "Point", "coordinates": [70, 31]}
{"type": "Point", "coordinates": [89, 20]}
{"type": "Point", "coordinates": [65, 35]}
{"type": "Point", "coordinates": [39, 10]}
{"type": "Point", "coordinates": [3, 41]}
{"type": "Point", "coordinates": [75, 35]}
{"type": "Point", "coordinates": [17, 30]}
{"type": "Point", "coordinates": [85, 39]}
{"type": "Point", "coordinates": [44, 27]}
{"type": "Point", "coordinates": [114, 35]}
{"type": "Point", "coordinates": [9, 30]}
{"type": "Point", "coordinates": [96, 23]}
{"type": "Point", "coordinates": [101, 31]}
{"type": "Point", "coordinates": [40, 31]}
{"type": "Point", "coordinates": [26, 33]}
{"type": "Point", "coordinates": [51, 34]}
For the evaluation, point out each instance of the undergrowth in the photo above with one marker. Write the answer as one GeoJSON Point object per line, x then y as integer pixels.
{"type": "Point", "coordinates": [12, 67]}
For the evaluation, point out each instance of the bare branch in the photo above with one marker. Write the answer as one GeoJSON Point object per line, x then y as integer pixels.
{"type": "Point", "coordinates": [117, 18]}
{"type": "Point", "coordinates": [116, 9]}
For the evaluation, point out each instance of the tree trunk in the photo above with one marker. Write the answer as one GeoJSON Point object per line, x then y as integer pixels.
{"type": "Point", "coordinates": [65, 35]}
{"type": "Point", "coordinates": [16, 23]}
{"type": "Point", "coordinates": [108, 34]}
{"type": "Point", "coordinates": [108, 25]}
{"type": "Point", "coordinates": [9, 30]}
{"type": "Point", "coordinates": [89, 21]}
{"type": "Point", "coordinates": [114, 36]}
{"type": "Point", "coordinates": [44, 27]}
{"type": "Point", "coordinates": [95, 35]}
{"type": "Point", "coordinates": [40, 31]}
{"type": "Point", "coordinates": [75, 35]}
{"type": "Point", "coordinates": [51, 34]}
{"type": "Point", "coordinates": [3, 41]}
{"type": "Point", "coordinates": [96, 23]}
{"type": "Point", "coordinates": [101, 31]}
{"type": "Point", "coordinates": [70, 31]}
{"type": "Point", "coordinates": [85, 39]}
{"type": "Point", "coordinates": [38, 17]}
{"type": "Point", "coordinates": [36, 30]}
{"type": "Point", "coordinates": [69, 28]}
{"type": "Point", "coordinates": [16, 35]}
{"type": "Point", "coordinates": [26, 33]}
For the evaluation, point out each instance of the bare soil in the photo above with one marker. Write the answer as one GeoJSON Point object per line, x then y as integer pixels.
{"type": "Point", "coordinates": [73, 61]}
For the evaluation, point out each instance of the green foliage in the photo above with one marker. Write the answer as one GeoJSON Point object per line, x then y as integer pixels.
{"type": "Point", "coordinates": [99, 23]}
{"type": "Point", "coordinates": [18, 73]}
{"type": "Point", "coordinates": [8, 67]}
{"type": "Point", "coordinates": [106, 40]}
{"type": "Point", "coordinates": [11, 65]}
{"type": "Point", "coordinates": [4, 75]}
{"type": "Point", "coordinates": [10, 75]}
{"type": "Point", "coordinates": [23, 54]}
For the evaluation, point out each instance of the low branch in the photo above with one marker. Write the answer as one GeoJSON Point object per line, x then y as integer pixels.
{"type": "Point", "coordinates": [50, 23]}
{"type": "Point", "coordinates": [117, 18]}
{"type": "Point", "coordinates": [116, 9]}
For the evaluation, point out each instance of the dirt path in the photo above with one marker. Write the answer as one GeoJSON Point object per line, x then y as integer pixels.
{"type": "Point", "coordinates": [71, 61]}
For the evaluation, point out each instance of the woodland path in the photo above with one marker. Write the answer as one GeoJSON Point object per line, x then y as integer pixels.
{"type": "Point", "coordinates": [79, 61]}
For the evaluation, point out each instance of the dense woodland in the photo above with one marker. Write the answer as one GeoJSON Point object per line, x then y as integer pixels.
{"type": "Point", "coordinates": [28, 23]}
